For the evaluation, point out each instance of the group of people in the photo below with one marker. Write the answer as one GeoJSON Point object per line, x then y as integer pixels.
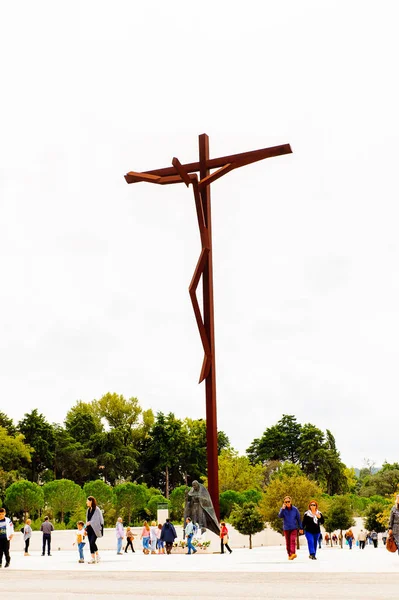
{"type": "Point", "coordinates": [311, 523]}
{"type": "Point", "coordinates": [160, 538]}
{"type": "Point", "coordinates": [293, 524]}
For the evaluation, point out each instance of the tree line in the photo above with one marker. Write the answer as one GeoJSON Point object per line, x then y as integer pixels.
{"type": "Point", "coordinates": [147, 459]}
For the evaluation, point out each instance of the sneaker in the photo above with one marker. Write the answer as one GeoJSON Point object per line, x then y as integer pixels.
{"type": "Point", "coordinates": [6, 565]}
{"type": "Point", "coordinates": [98, 558]}
{"type": "Point", "coordinates": [81, 560]}
{"type": "Point", "coordinates": [43, 554]}
{"type": "Point", "coordinates": [91, 562]}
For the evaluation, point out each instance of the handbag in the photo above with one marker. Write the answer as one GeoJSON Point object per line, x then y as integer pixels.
{"type": "Point", "coordinates": [225, 539]}
{"type": "Point", "coordinates": [391, 544]}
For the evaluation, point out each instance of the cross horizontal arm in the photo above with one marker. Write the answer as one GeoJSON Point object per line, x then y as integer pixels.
{"type": "Point", "coordinates": [245, 158]}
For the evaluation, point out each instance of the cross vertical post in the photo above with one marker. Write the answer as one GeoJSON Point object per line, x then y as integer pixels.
{"type": "Point", "coordinates": [188, 174]}
{"type": "Point", "coordinates": [208, 317]}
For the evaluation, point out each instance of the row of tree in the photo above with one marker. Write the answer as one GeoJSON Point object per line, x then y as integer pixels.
{"type": "Point", "coordinates": [115, 440]}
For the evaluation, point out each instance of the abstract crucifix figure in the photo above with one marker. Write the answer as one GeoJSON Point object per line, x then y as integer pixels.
{"type": "Point", "coordinates": [200, 177]}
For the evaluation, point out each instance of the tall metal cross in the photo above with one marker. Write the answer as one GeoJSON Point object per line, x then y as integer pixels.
{"type": "Point", "coordinates": [188, 174]}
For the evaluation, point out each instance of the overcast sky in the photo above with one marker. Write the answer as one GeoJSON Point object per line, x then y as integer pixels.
{"type": "Point", "coordinates": [94, 272]}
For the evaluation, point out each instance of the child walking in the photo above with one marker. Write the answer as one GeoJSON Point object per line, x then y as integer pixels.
{"type": "Point", "coordinates": [27, 536]}
{"type": "Point", "coordinates": [80, 540]}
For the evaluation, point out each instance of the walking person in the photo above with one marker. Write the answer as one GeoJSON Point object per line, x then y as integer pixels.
{"type": "Point", "coordinates": [80, 540]}
{"type": "Point", "coordinates": [168, 535]}
{"type": "Point", "coordinates": [312, 519]}
{"type": "Point", "coordinates": [129, 539]}
{"type": "Point", "coordinates": [393, 526]}
{"type": "Point", "coordinates": [27, 531]}
{"type": "Point", "coordinates": [334, 539]}
{"type": "Point", "coordinates": [320, 540]}
{"type": "Point", "coordinates": [160, 543]}
{"type": "Point", "coordinates": [94, 527]}
{"type": "Point", "coordinates": [224, 538]}
{"type": "Point", "coordinates": [153, 537]}
{"type": "Point", "coordinates": [145, 537]}
{"type": "Point", "coordinates": [46, 527]}
{"type": "Point", "coordinates": [291, 525]}
{"type": "Point", "coordinates": [349, 538]}
{"type": "Point", "coordinates": [189, 533]}
{"type": "Point", "coordinates": [120, 534]}
{"type": "Point", "coordinates": [384, 537]}
{"type": "Point", "coordinates": [361, 538]}
{"type": "Point", "coordinates": [6, 535]}
{"type": "Point", "coordinates": [374, 538]}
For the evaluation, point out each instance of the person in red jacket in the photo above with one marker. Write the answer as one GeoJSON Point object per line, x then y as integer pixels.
{"type": "Point", "coordinates": [224, 538]}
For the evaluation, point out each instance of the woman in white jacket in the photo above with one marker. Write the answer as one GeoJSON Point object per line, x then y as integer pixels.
{"type": "Point", "coordinates": [6, 533]}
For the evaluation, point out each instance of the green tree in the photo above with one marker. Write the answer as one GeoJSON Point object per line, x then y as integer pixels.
{"type": "Point", "coordinates": [115, 459]}
{"type": "Point", "coordinates": [279, 442]}
{"type": "Point", "coordinates": [82, 421]}
{"type": "Point", "coordinates": [236, 472]}
{"type": "Point", "coordinates": [14, 452]}
{"type": "Point", "coordinates": [247, 519]}
{"type": "Point", "coordinates": [300, 488]}
{"type": "Point", "coordinates": [177, 501]}
{"type": "Point", "coordinates": [131, 499]}
{"type": "Point", "coordinates": [339, 516]}
{"type": "Point", "coordinates": [8, 424]}
{"type": "Point", "coordinates": [162, 452]}
{"type": "Point", "coordinates": [121, 414]}
{"type": "Point", "coordinates": [373, 515]}
{"type": "Point", "coordinates": [71, 460]}
{"type": "Point", "coordinates": [24, 496]}
{"type": "Point", "coordinates": [39, 435]}
{"type": "Point", "coordinates": [229, 499]}
{"type": "Point", "coordinates": [63, 496]}
{"type": "Point", "coordinates": [102, 492]}
{"type": "Point", "coordinates": [194, 458]}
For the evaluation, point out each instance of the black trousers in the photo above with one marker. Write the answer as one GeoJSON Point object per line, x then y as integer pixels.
{"type": "Point", "coordinates": [362, 544]}
{"type": "Point", "coordinates": [46, 540]}
{"type": "Point", "coordinates": [129, 542]}
{"type": "Point", "coordinates": [92, 539]}
{"type": "Point", "coordinates": [169, 546]}
{"type": "Point", "coordinates": [4, 549]}
{"type": "Point", "coordinates": [223, 546]}
{"type": "Point", "coordinates": [375, 542]}
{"type": "Point", "coordinates": [27, 542]}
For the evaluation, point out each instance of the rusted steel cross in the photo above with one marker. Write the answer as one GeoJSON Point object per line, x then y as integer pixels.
{"type": "Point", "coordinates": [187, 174]}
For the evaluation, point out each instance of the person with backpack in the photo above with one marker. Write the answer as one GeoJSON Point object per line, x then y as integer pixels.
{"type": "Point", "coordinates": [349, 538]}
{"type": "Point", "coordinates": [168, 535]}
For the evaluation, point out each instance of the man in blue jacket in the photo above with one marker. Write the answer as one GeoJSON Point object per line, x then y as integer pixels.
{"type": "Point", "coordinates": [291, 524]}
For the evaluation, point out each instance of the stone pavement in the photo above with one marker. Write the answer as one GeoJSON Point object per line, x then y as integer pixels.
{"type": "Point", "coordinates": [259, 573]}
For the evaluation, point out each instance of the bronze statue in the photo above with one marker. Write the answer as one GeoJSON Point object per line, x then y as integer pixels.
{"type": "Point", "coordinates": [200, 509]}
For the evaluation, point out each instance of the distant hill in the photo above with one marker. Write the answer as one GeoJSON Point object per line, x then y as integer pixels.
{"type": "Point", "coordinates": [374, 470]}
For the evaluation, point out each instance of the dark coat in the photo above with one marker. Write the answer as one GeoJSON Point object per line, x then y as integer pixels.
{"type": "Point", "coordinates": [168, 533]}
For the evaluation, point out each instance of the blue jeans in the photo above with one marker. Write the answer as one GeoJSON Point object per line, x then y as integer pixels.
{"type": "Point", "coordinates": [81, 548]}
{"type": "Point", "coordinates": [350, 541]}
{"type": "Point", "coordinates": [190, 545]}
{"type": "Point", "coordinates": [312, 539]}
{"type": "Point", "coordinates": [146, 541]}
{"type": "Point", "coordinates": [119, 544]}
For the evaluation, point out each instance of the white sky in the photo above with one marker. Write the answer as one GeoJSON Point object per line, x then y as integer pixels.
{"type": "Point", "coordinates": [94, 273]}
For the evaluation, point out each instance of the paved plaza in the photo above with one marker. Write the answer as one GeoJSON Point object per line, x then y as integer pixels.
{"type": "Point", "coordinates": [258, 573]}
